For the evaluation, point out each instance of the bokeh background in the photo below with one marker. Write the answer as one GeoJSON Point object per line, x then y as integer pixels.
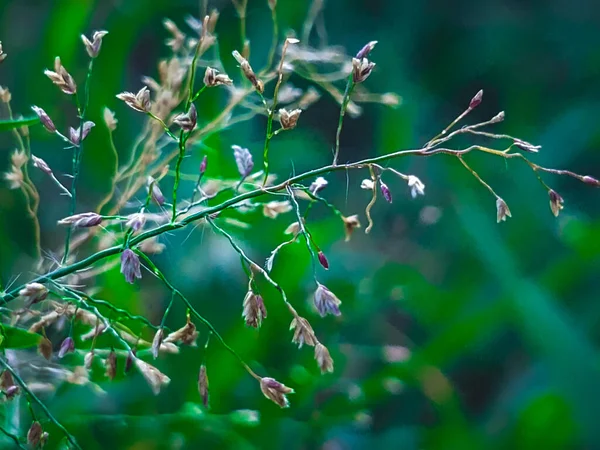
{"type": "Point", "coordinates": [456, 332]}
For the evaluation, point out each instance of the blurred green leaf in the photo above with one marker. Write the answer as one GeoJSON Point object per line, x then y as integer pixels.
{"type": "Point", "coordinates": [16, 338]}
{"type": "Point", "coordinates": [7, 125]}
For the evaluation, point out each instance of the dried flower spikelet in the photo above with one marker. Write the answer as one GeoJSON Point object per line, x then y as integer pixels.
{"type": "Point", "coordinates": [6, 380]}
{"type": "Point", "coordinates": [67, 346]}
{"type": "Point", "coordinates": [326, 302]}
{"type": "Point", "coordinates": [272, 4]}
{"type": "Point", "coordinates": [248, 72]}
{"type": "Point", "coordinates": [243, 160]}
{"type": "Point", "coordinates": [350, 224]}
{"type": "Point", "coordinates": [323, 358]}
{"type": "Point", "coordinates": [318, 185]}
{"type": "Point", "coordinates": [157, 342]}
{"type": "Point", "coordinates": [152, 246]}
{"type": "Point", "coordinates": [476, 101]}
{"type": "Point", "coordinates": [274, 208]}
{"type": "Point", "coordinates": [109, 119]}
{"type": "Point", "coordinates": [93, 47]}
{"type": "Point", "coordinates": [385, 191]}
{"type": "Point", "coordinates": [303, 332]}
{"type": "Point", "coordinates": [310, 97]}
{"type": "Point", "coordinates": [293, 228]}
{"type": "Point", "coordinates": [155, 378]}
{"type": "Point", "coordinates": [416, 186]}
{"type": "Point", "coordinates": [2, 54]}
{"type": "Point", "coordinates": [213, 78]}
{"type": "Point", "coordinates": [34, 435]}
{"type": "Point", "coordinates": [39, 163]}
{"type": "Point", "coordinates": [187, 122]}
{"type": "Point", "coordinates": [366, 50]}
{"type": "Point", "coordinates": [591, 181]}
{"type": "Point", "coordinates": [289, 119]}
{"type": "Point", "coordinates": [203, 385]}
{"type": "Point", "coordinates": [275, 391]}
{"type": "Point", "coordinates": [367, 184]}
{"type": "Point", "coordinates": [88, 360]}
{"type": "Point", "coordinates": [502, 210]}
{"type": "Point", "coordinates": [129, 361]}
{"type": "Point", "coordinates": [44, 119]}
{"type": "Point", "coordinates": [254, 310]}
{"type": "Point", "coordinates": [76, 135]}
{"type": "Point", "coordinates": [186, 335]}
{"type": "Point", "coordinates": [177, 37]}
{"type": "Point", "coordinates": [556, 202]}
{"type": "Point", "coordinates": [390, 99]}
{"type": "Point", "coordinates": [136, 221]}
{"type": "Point", "coordinates": [526, 146]}
{"type": "Point", "coordinates": [498, 117]}
{"type": "Point", "coordinates": [45, 348]}
{"type": "Point", "coordinates": [323, 260]}
{"type": "Point", "coordinates": [155, 192]}
{"type": "Point", "coordinates": [61, 78]}
{"type": "Point", "coordinates": [83, 220]}
{"type": "Point", "coordinates": [130, 266]}
{"type": "Point", "coordinates": [5, 95]}
{"type": "Point", "coordinates": [111, 365]}
{"type": "Point", "coordinates": [14, 177]}
{"type": "Point", "coordinates": [33, 293]}
{"type": "Point", "coordinates": [140, 101]}
{"type": "Point", "coordinates": [361, 69]}
{"type": "Point", "coordinates": [18, 158]}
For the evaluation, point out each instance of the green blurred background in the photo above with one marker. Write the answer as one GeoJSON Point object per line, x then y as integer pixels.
{"type": "Point", "coordinates": [456, 332]}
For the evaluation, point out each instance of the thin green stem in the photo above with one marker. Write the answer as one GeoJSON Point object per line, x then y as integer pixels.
{"type": "Point", "coordinates": [304, 231]}
{"type": "Point", "coordinates": [13, 437]}
{"type": "Point", "coordinates": [347, 93]}
{"type": "Point", "coordinates": [77, 154]}
{"type": "Point", "coordinates": [41, 404]}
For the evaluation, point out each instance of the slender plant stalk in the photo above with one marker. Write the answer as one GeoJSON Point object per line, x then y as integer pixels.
{"type": "Point", "coordinates": [82, 110]}
{"type": "Point", "coordinates": [14, 438]}
{"type": "Point", "coordinates": [41, 404]}
{"type": "Point", "coordinates": [346, 99]}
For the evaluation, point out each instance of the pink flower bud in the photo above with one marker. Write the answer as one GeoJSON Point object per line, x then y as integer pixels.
{"type": "Point", "coordinates": [476, 101]}
{"type": "Point", "coordinates": [323, 260]}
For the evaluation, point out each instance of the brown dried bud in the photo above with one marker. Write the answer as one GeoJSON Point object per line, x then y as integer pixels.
{"type": "Point", "coordinates": [34, 435]}
{"type": "Point", "coordinates": [140, 101]}
{"type": "Point", "coordinates": [33, 293]}
{"type": "Point", "coordinates": [385, 191]}
{"type": "Point", "coordinates": [323, 260]}
{"type": "Point", "coordinates": [326, 302]}
{"type": "Point", "coordinates": [155, 378]}
{"type": "Point", "coordinates": [303, 332]}
{"type": "Point", "coordinates": [203, 385]}
{"type": "Point", "coordinates": [254, 311]}
{"type": "Point", "coordinates": [155, 192]}
{"type": "Point", "coordinates": [6, 380]}
{"type": "Point", "coordinates": [109, 119]}
{"type": "Point", "coordinates": [39, 163]}
{"type": "Point", "coordinates": [556, 202]}
{"type": "Point", "coordinates": [187, 121]}
{"type": "Point", "coordinates": [67, 346]}
{"type": "Point", "coordinates": [275, 391]}
{"type": "Point", "coordinates": [476, 101]}
{"type": "Point", "coordinates": [12, 392]}
{"type": "Point", "coordinates": [5, 95]}
{"type": "Point", "coordinates": [274, 208]}
{"type": "Point", "coordinates": [83, 220]}
{"type": "Point", "coordinates": [44, 119]}
{"type": "Point", "coordinates": [289, 119]}
{"type": "Point", "coordinates": [248, 72]}
{"type": "Point", "coordinates": [177, 39]}
{"type": "Point", "coordinates": [591, 181]}
{"type": "Point", "coordinates": [186, 335]}
{"type": "Point", "coordinates": [350, 224]}
{"type": "Point", "coordinates": [45, 348]}
{"type": "Point", "coordinates": [502, 210]}
{"type": "Point", "coordinates": [129, 361]}
{"type": "Point", "coordinates": [361, 69]}
{"type": "Point", "coordinates": [157, 342]}
{"type": "Point", "coordinates": [130, 266]}
{"type": "Point", "coordinates": [61, 78]}
{"type": "Point", "coordinates": [213, 78]}
{"type": "Point", "coordinates": [93, 47]}
{"type": "Point", "coordinates": [323, 358]}
{"type": "Point", "coordinates": [88, 360]}
{"type": "Point", "coordinates": [366, 50]}
{"type": "Point", "coordinates": [111, 365]}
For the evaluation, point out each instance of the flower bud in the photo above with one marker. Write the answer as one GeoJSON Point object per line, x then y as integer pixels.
{"type": "Point", "coordinates": [203, 385]}
{"type": "Point", "coordinates": [187, 122]}
{"type": "Point", "coordinates": [289, 119]}
{"type": "Point", "coordinates": [155, 192]}
{"type": "Point", "coordinates": [385, 191]}
{"type": "Point", "coordinates": [139, 102]}
{"type": "Point", "coordinates": [45, 348]}
{"type": "Point", "coordinates": [303, 332]}
{"type": "Point", "coordinates": [41, 164]}
{"type": "Point", "coordinates": [591, 181]}
{"type": "Point", "coordinates": [157, 342]}
{"type": "Point", "coordinates": [326, 302]}
{"type": "Point", "coordinates": [34, 435]}
{"type": "Point", "coordinates": [361, 69]}
{"type": "Point", "coordinates": [93, 47]}
{"type": "Point", "coordinates": [556, 202]}
{"type": "Point", "coordinates": [476, 101]}
{"type": "Point", "coordinates": [248, 72]}
{"type": "Point", "coordinates": [203, 165]}
{"type": "Point", "coordinates": [83, 220]}
{"type": "Point", "coordinates": [254, 310]}
{"type": "Point", "coordinates": [323, 358]}
{"type": "Point", "coordinates": [67, 346]}
{"type": "Point", "coordinates": [44, 119]}
{"type": "Point", "coordinates": [275, 391]}
{"type": "Point", "coordinates": [130, 266]}
{"type": "Point", "coordinates": [502, 210]}
{"type": "Point", "coordinates": [366, 50]}
{"type": "Point", "coordinates": [323, 260]}
{"type": "Point", "coordinates": [213, 78]}
{"type": "Point", "coordinates": [111, 365]}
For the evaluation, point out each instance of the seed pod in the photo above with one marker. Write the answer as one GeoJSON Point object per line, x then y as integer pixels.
{"type": "Point", "coordinates": [323, 260]}
{"type": "Point", "coordinates": [203, 385]}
